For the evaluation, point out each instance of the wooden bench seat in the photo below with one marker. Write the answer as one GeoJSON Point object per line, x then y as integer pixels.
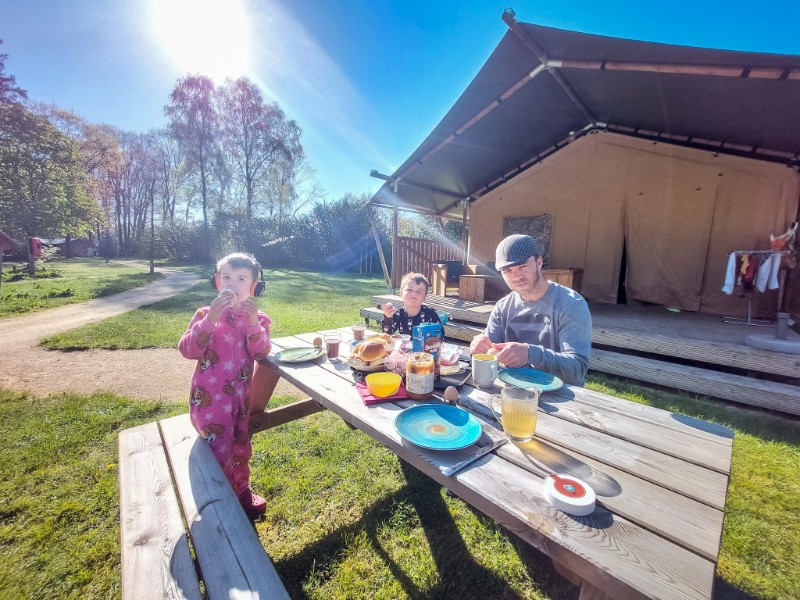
{"type": "Point", "coordinates": [462, 332]}
{"type": "Point", "coordinates": [156, 460]}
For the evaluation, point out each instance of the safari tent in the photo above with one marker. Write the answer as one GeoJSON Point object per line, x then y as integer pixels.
{"type": "Point", "coordinates": [645, 164]}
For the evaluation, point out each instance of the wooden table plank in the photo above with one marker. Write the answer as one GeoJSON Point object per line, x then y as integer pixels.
{"type": "Point", "coordinates": [609, 551]}
{"type": "Point", "coordinates": [155, 553]}
{"type": "Point", "coordinates": [705, 430]}
{"type": "Point", "coordinates": [231, 557]}
{"type": "Point", "coordinates": [651, 465]}
{"type": "Point", "coordinates": [627, 495]}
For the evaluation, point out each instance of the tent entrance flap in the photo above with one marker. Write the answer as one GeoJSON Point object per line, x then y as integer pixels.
{"type": "Point", "coordinates": [667, 227]}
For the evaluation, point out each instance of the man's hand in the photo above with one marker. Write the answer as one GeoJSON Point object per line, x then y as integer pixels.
{"type": "Point", "coordinates": [511, 354]}
{"type": "Point", "coordinates": [480, 344]}
{"type": "Point", "coordinates": [388, 310]}
{"type": "Point", "coordinates": [250, 308]}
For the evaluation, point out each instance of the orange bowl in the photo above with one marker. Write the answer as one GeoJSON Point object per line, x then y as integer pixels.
{"type": "Point", "coordinates": [383, 385]}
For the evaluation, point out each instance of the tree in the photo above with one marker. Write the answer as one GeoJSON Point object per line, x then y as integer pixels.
{"type": "Point", "coordinates": [172, 172]}
{"type": "Point", "coordinates": [135, 185]}
{"type": "Point", "coordinates": [256, 138]}
{"type": "Point", "coordinates": [41, 179]}
{"type": "Point", "coordinates": [99, 147]}
{"type": "Point", "coordinates": [193, 123]}
{"type": "Point", "coordinates": [9, 92]}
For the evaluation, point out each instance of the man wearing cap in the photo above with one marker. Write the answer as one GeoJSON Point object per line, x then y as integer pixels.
{"type": "Point", "coordinates": [540, 323]}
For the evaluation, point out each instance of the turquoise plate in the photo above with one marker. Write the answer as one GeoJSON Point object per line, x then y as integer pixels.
{"type": "Point", "coordinates": [438, 427]}
{"type": "Point", "coordinates": [527, 378]}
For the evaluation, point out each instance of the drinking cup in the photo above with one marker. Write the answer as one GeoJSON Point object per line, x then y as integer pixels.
{"type": "Point", "coordinates": [358, 331]}
{"type": "Point", "coordinates": [484, 369]}
{"type": "Point", "coordinates": [520, 408]}
{"type": "Point", "coordinates": [332, 344]}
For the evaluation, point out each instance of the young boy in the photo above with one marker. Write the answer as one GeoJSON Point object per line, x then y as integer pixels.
{"type": "Point", "coordinates": [226, 338]}
{"type": "Point", "coordinates": [413, 289]}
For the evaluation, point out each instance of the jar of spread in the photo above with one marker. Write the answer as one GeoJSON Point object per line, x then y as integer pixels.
{"type": "Point", "coordinates": [420, 375]}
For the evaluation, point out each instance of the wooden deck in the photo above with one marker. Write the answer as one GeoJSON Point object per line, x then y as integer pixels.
{"type": "Point", "coordinates": [688, 351]}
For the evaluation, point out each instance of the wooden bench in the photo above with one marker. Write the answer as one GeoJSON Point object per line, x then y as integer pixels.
{"type": "Point", "coordinates": [173, 494]}
{"type": "Point", "coordinates": [462, 332]}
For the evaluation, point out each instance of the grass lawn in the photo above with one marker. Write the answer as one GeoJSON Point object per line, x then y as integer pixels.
{"type": "Point", "coordinates": [346, 518]}
{"type": "Point", "coordinates": [66, 281]}
{"type": "Point", "coordinates": [295, 301]}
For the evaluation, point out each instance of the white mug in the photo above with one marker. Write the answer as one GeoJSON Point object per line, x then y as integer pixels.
{"type": "Point", "coordinates": [484, 369]}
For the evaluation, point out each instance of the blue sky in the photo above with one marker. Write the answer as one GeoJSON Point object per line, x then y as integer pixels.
{"type": "Point", "coordinates": [366, 81]}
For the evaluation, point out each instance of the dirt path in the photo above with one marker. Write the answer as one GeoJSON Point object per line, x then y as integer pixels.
{"type": "Point", "coordinates": [150, 374]}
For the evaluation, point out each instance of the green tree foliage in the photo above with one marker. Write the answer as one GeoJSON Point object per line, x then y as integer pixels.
{"type": "Point", "coordinates": [9, 92]}
{"type": "Point", "coordinates": [41, 178]}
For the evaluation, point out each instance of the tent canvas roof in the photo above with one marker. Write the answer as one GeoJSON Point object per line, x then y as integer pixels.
{"type": "Point", "coordinates": [542, 88]}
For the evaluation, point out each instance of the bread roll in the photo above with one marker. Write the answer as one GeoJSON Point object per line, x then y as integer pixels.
{"type": "Point", "coordinates": [370, 351]}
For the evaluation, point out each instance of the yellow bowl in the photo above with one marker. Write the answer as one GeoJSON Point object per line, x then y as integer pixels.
{"type": "Point", "coordinates": [382, 385]}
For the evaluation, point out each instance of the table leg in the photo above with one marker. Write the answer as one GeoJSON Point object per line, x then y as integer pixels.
{"type": "Point", "coordinates": [588, 591]}
{"type": "Point", "coordinates": [265, 378]}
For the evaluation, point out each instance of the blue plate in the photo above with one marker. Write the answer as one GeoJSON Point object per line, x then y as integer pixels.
{"type": "Point", "coordinates": [438, 426]}
{"type": "Point", "coordinates": [527, 378]}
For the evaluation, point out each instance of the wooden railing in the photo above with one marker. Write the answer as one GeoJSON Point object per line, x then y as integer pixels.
{"type": "Point", "coordinates": [418, 255]}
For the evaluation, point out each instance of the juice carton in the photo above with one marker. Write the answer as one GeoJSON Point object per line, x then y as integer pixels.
{"type": "Point", "coordinates": [428, 338]}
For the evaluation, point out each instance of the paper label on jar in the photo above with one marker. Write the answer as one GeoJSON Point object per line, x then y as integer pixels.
{"type": "Point", "coordinates": [419, 383]}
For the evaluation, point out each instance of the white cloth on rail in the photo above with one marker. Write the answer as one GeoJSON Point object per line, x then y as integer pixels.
{"type": "Point", "coordinates": [767, 276]}
{"type": "Point", "coordinates": [730, 274]}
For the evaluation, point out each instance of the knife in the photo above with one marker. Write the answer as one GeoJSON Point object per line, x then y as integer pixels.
{"type": "Point", "coordinates": [304, 354]}
{"type": "Point", "coordinates": [447, 471]}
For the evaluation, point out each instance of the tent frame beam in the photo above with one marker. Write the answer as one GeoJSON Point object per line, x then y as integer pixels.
{"type": "Point", "coordinates": [541, 55]}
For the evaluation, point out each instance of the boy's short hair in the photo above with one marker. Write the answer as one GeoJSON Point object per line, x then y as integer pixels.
{"type": "Point", "coordinates": [239, 260]}
{"type": "Point", "coordinates": [416, 278]}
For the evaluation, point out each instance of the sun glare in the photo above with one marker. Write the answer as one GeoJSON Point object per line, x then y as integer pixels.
{"type": "Point", "coordinates": [209, 37]}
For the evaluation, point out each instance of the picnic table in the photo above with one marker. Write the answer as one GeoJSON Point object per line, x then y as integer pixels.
{"type": "Point", "coordinates": [661, 479]}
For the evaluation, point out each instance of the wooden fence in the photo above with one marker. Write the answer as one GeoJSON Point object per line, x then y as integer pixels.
{"type": "Point", "coordinates": [417, 255]}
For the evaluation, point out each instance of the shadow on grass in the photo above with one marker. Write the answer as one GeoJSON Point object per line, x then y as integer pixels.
{"type": "Point", "coordinates": [459, 574]}
{"type": "Point", "coordinates": [723, 589]}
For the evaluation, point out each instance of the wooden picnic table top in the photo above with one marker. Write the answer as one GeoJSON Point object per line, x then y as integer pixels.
{"type": "Point", "coordinates": [661, 479]}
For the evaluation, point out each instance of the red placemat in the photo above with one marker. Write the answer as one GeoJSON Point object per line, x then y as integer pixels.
{"type": "Point", "coordinates": [368, 398]}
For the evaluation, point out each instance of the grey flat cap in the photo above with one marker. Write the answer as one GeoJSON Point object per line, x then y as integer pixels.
{"type": "Point", "coordinates": [515, 250]}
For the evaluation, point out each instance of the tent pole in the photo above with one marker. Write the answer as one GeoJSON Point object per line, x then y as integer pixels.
{"type": "Point", "coordinates": [743, 71]}
{"type": "Point", "coordinates": [380, 251]}
{"type": "Point", "coordinates": [394, 238]}
{"type": "Point", "coordinates": [538, 51]}
{"type": "Point", "coordinates": [464, 234]}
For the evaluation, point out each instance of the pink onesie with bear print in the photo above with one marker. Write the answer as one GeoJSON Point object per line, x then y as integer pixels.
{"type": "Point", "coordinates": [219, 404]}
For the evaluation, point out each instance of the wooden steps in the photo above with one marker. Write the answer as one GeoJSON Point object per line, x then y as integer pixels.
{"type": "Point", "coordinates": [736, 388]}
{"type": "Point", "coordinates": [739, 356]}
